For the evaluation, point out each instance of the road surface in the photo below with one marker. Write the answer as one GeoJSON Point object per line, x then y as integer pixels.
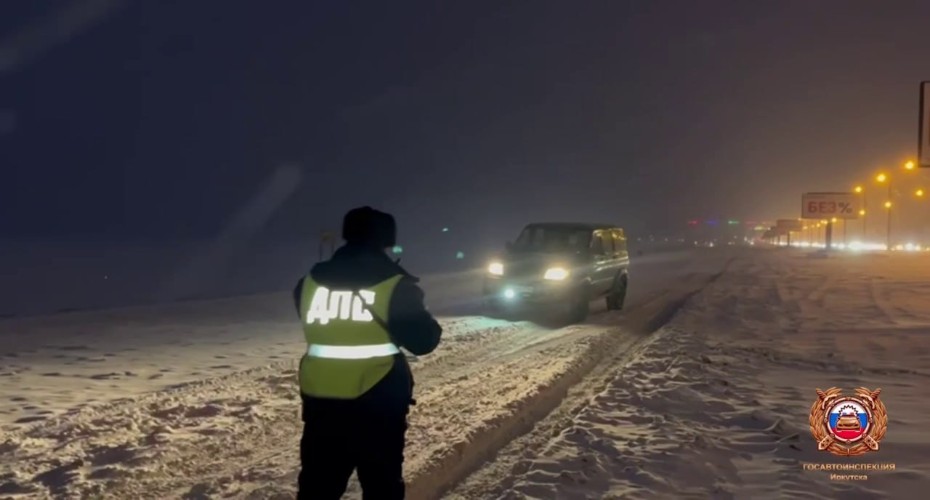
{"type": "Point", "coordinates": [198, 400]}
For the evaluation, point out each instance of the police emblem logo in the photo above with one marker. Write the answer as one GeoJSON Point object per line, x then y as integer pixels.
{"type": "Point", "coordinates": [848, 425]}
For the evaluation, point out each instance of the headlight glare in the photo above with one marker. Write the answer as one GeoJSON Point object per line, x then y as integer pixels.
{"type": "Point", "coordinates": [556, 273]}
{"type": "Point", "coordinates": [496, 268]}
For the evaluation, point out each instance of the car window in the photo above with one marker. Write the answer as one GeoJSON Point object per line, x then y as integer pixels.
{"type": "Point", "coordinates": [619, 241]}
{"type": "Point", "coordinates": [579, 239]}
{"type": "Point", "coordinates": [601, 245]}
{"type": "Point", "coordinates": [609, 244]}
{"type": "Point", "coordinates": [552, 239]}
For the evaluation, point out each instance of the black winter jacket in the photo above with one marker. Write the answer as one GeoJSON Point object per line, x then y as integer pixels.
{"type": "Point", "coordinates": [410, 324]}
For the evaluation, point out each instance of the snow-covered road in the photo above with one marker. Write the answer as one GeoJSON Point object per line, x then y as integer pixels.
{"type": "Point", "coordinates": [717, 404]}
{"type": "Point", "coordinates": [198, 399]}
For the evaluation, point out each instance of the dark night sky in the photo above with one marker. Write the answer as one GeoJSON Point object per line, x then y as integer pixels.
{"type": "Point", "coordinates": [162, 119]}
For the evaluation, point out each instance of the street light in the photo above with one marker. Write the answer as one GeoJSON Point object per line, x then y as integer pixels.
{"type": "Point", "coordinates": [888, 226]}
{"type": "Point", "coordinates": [882, 178]}
{"type": "Point", "coordinates": [833, 222]}
{"type": "Point", "coordinates": [909, 165]}
{"type": "Point", "coordinates": [858, 189]}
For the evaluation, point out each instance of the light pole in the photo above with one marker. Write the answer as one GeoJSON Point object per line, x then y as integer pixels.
{"type": "Point", "coordinates": [833, 222]}
{"type": "Point", "coordinates": [862, 214]}
{"type": "Point", "coordinates": [888, 233]}
{"type": "Point", "coordinates": [884, 179]}
{"type": "Point", "coordinates": [919, 193]}
{"type": "Point", "coordinates": [859, 191]}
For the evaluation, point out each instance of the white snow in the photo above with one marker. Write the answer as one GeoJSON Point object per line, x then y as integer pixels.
{"type": "Point", "coordinates": [716, 405]}
{"type": "Point", "coordinates": [199, 400]}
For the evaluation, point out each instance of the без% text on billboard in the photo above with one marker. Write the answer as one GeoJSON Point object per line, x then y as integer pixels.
{"type": "Point", "coordinates": [829, 205]}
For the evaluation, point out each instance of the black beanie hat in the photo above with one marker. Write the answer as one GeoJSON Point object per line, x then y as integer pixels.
{"type": "Point", "coordinates": [367, 226]}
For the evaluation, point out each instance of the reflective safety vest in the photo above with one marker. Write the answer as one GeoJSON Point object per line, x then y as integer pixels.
{"type": "Point", "coordinates": [348, 352]}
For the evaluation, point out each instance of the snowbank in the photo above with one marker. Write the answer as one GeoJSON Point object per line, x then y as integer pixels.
{"type": "Point", "coordinates": [237, 434]}
{"type": "Point", "coordinates": [56, 363]}
{"type": "Point", "coordinates": [717, 405]}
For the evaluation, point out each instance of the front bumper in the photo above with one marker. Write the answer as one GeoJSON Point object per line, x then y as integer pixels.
{"type": "Point", "coordinates": [507, 292]}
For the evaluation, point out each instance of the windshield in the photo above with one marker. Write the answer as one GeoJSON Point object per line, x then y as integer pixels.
{"type": "Point", "coordinates": [552, 239]}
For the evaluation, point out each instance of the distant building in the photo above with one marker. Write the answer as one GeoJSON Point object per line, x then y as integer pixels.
{"type": "Point", "coordinates": [723, 231]}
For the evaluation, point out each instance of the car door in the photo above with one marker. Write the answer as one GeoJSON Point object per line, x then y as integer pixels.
{"type": "Point", "coordinates": [602, 253]}
{"type": "Point", "coordinates": [621, 253]}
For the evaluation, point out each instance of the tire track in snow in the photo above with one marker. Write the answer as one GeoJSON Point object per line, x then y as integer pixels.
{"type": "Point", "coordinates": [820, 292]}
{"type": "Point", "coordinates": [500, 465]}
{"type": "Point", "coordinates": [809, 296]}
{"type": "Point", "coordinates": [465, 406]}
{"type": "Point", "coordinates": [886, 308]}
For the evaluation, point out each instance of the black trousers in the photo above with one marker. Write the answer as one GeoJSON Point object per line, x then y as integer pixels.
{"type": "Point", "coordinates": [366, 435]}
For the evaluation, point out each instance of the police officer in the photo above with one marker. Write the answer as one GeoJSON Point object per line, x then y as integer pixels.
{"type": "Point", "coordinates": [356, 387]}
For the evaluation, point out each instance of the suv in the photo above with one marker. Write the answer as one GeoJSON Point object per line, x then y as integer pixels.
{"type": "Point", "coordinates": [561, 264]}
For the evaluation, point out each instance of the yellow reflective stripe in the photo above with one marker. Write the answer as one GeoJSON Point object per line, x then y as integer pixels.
{"type": "Point", "coordinates": [352, 351]}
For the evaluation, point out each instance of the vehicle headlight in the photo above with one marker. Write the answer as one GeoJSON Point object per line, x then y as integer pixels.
{"type": "Point", "coordinates": [496, 268]}
{"type": "Point", "coordinates": [556, 273]}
